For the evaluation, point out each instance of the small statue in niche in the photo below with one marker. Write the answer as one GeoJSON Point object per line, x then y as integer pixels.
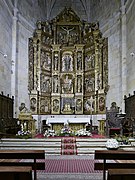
{"type": "Point", "coordinates": [46, 60]}
{"type": "Point", "coordinates": [67, 108]}
{"type": "Point", "coordinates": [44, 106]}
{"type": "Point", "coordinates": [99, 81]}
{"type": "Point", "coordinates": [55, 105]}
{"type": "Point", "coordinates": [89, 104]}
{"type": "Point", "coordinates": [67, 84]}
{"type": "Point", "coordinates": [33, 104]}
{"type": "Point", "coordinates": [79, 61]}
{"type": "Point", "coordinates": [60, 38]}
{"type": "Point", "coordinates": [45, 84]}
{"type": "Point", "coordinates": [89, 61]}
{"type": "Point", "coordinates": [67, 63]}
{"type": "Point", "coordinates": [78, 105]}
{"type": "Point", "coordinates": [56, 62]}
{"type": "Point", "coordinates": [55, 84]}
{"type": "Point", "coordinates": [101, 104]}
{"type": "Point", "coordinates": [79, 84]}
{"type": "Point", "coordinates": [89, 84]}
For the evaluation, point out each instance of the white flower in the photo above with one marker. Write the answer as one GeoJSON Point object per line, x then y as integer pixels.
{"type": "Point", "coordinates": [112, 143]}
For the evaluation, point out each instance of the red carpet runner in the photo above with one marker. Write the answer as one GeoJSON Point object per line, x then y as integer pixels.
{"type": "Point", "coordinates": [68, 146]}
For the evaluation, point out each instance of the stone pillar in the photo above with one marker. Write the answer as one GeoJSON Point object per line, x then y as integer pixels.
{"type": "Point", "coordinates": [123, 56]}
{"type": "Point", "coordinates": [14, 63]}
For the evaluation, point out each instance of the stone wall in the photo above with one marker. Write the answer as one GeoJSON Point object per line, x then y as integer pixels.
{"type": "Point", "coordinates": [107, 12]}
{"type": "Point", "coordinates": [29, 12]}
{"type": "Point", "coordinates": [5, 47]}
{"type": "Point", "coordinates": [130, 18]}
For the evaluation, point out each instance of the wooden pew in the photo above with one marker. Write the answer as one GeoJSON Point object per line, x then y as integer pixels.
{"type": "Point", "coordinates": [15, 173]}
{"type": "Point", "coordinates": [114, 155]}
{"type": "Point", "coordinates": [121, 174]}
{"type": "Point", "coordinates": [13, 157]}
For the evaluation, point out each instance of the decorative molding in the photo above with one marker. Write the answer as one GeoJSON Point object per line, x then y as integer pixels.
{"type": "Point", "coordinates": [25, 23]}
{"type": "Point", "coordinates": [9, 7]}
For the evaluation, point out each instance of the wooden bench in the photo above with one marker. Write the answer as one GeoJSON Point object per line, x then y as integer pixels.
{"type": "Point", "coordinates": [15, 173]}
{"type": "Point", "coordinates": [114, 155]}
{"type": "Point", "coordinates": [121, 174]}
{"type": "Point", "coordinates": [15, 158]}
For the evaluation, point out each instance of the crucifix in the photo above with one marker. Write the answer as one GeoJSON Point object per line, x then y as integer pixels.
{"type": "Point", "coordinates": [68, 32]}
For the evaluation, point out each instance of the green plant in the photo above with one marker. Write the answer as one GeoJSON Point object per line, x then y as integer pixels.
{"type": "Point", "coordinates": [24, 134]}
{"type": "Point", "coordinates": [122, 139]}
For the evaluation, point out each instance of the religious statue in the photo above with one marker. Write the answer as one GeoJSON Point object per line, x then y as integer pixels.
{"type": "Point", "coordinates": [55, 105]}
{"type": "Point", "coordinates": [44, 106]}
{"type": "Point", "coordinates": [78, 105]}
{"type": "Point", "coordinates": [55, 84]}
{"type": "Point", "coordinates": [67, 63]}
{"type": "Point", "coordinates": [33, 104]}
{"type": "Point", "coordinates": [89, 61]}
{"type": "Point", "coordinates": [101, 104]}
{"type": "Point", "coordinates": [79, 61]}
{"type": "Point", "coordinates": [68, 35]}
{"type": "Point", "coordinates": [45, 84]}
{"type": "Point", "coordinates": [89, 106]}
{"type": "Point", "coordinates": [67, 108]}
{"type": "Point", "coordinates": [67, 84]}
{"type": "Point", "coordinates": [23, 108]}
{"type": "Point", "coordinates": [79, 84]}
{"type": "Point", "coordinates": [56, 62]}
{"type": "Point", "coordinates": [46, 60]}
{"type": "Point", "coordinates": [89, 84]}
{"type": "Point", "coordinates": [99, 81]}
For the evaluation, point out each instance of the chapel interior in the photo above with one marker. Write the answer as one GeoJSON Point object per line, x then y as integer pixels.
{"type": "Point", "coordinates": [67, 62]}
{"type": "Point", "coordinates": [67, 69]}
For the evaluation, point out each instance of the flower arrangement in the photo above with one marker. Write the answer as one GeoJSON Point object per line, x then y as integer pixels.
{"type": "Point", "coordinates": [122, 139]}
{"type": "Point", "coordinates": [24, 134]}
{"type": "Point", "coordinates": [83, 132]}
{"type": "Point", "coordinates": [112, 144]}
{"type": "Point", "coordinates": [49, 133]}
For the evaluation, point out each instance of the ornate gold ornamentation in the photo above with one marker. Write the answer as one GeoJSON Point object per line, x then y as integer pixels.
{"type": "Point", "coordinates": [68, 66]}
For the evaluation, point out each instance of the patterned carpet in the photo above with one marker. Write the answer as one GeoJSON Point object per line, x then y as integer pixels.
{"type": "Point", "coordinates": [69, 164]}
{"type": "Point", "coordinates": [68, 146]}
{"type": "Point", "coordinates": [73, 167]}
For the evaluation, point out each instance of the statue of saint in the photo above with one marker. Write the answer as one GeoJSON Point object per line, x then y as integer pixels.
{"type": "Point", "coordinates": [67, 63]}
{"type": "Point", "coordinates": [56, 62]}
{"type": "Point", "coordinates": [79, 84]}
{"type": "Point", "coordinates": [23, 108]}
{"type": "Point", "coordinates": [67, 107]}
{"type": "Point", "coordinates": [67, 84]}
{"type": "Point", "coordinates": [55, 85]}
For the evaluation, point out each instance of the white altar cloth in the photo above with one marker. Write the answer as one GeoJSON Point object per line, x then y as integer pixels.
{"type": "Point", "coordinates": [68, 120]}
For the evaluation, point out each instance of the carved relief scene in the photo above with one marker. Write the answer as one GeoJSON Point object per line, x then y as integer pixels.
{"type": "Point", "coordinates": [68, 66]}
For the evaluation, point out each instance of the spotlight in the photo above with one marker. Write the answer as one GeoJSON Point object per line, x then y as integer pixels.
{"type": "Point", "coordinates": [132, 54]}
{"type": "Point", "coordinates": [4, 55]}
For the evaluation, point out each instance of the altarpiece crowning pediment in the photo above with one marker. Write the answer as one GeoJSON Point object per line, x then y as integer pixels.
{"type": "Point", "coordinates": [68, 66]}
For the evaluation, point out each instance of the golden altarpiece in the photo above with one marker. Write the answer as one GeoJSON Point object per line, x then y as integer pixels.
{"type": "Point", "coordinates": [68, 67]}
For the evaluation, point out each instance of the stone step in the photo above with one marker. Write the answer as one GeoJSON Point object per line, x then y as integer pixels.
{"type": "Point", "coordinates": [53, 145]}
